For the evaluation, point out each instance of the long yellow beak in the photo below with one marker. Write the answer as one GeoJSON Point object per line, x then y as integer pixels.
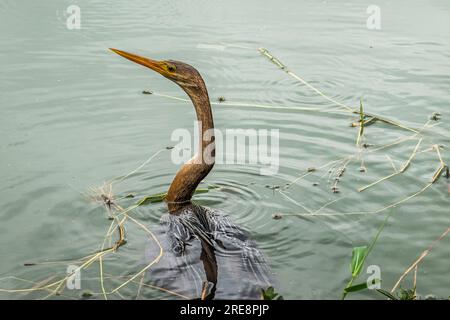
{"type": "Point", "coordinates": [149, 63]}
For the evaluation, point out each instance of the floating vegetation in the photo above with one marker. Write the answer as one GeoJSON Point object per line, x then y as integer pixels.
{"type": "Point", "coordinates": [338, 167]}
{"type": "Point", "coordinates": [86, 294]}
{"type": "Point", "coordinates": [344, 107]}
{"type": "Point", "coordinates": [402, 169]}
{"type": "Point", "coordinates": [361, 124]}
{"type": "Point", "coordinates": [414, 266]}
{"type": "Point", "coordinates": [270, 294]}
{"type": "Point", "coordinates": [359, 256]}
{"type": "Point", "coordinates": [397, 292]}
{"type": "Point", "coordinates": [119, 217]}
{"type": "Point", "coordinates": [436, 116]}
{"type": "Point", "coordinates": [403, 294]}
{"type": "Point", "coordinates": [277, 216]}
{"type": "Point", "coordinates": [160, 197]}
{"type": "Point", "coordinates": [273, 188]}
{"type": "Point", "coordinates": [339, 173]}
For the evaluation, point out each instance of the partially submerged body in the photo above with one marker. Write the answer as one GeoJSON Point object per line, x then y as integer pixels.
{"type": "Point", "coordinates": [206, 256]}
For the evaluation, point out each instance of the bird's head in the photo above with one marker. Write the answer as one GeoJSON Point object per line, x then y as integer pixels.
{"type": "Point", "coordinates": [181, 73]}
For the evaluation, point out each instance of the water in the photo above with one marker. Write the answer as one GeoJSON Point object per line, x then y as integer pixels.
{"type": "Point", "coordinates": [73, 116]}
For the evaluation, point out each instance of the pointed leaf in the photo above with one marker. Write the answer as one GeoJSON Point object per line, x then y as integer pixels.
{"type": "Point", "coordinates": [387, 294]}
{"type": "Point", "coordinates": [358, 257]}
{"type": "Point", "coordinates": [356, 287]}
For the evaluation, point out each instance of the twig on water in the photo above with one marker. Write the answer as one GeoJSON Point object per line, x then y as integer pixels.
{"type": "Point", "coordinates": [419, 260]}
{"type": "Point", "coordinates": [392, 163]}
{"type": "Point", "coordinates": [402, 139]}
{"type": "Point", "coordinates": [277, 216]}
{"type": "Point", "coordinates": [100, 261]}
{"type": "Point", "coordinates": [37, 284]}
{"type": "Point", "coordinates": [339, 174]}
{"type": "Point", "coordinates": [304, 214]}
{"type": "Point", "coordinates": [248, 105]}
{"type": "Point", "coordinates": [443, 166]}
{"type": "Point", "coordinates": [415, 280]}
{"type": "Point", "coordinates": [294, 201]}
{"type": "Point", "coordinates": [361, 124]}
{"type": "Point", "coordinates": [283, 67]}
{"type": "Point", "coordinates": [402, 169]}
{"type": "Point", "coordinates": [141, 282]}
{"type": "Point", "coordinates": [109, 276]}
{"type": "Point", "coordinates": [310, 172]}
{"type": "Point", "coordinates": [118, 180]}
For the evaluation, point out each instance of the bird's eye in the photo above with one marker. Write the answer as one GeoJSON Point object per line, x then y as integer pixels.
{"type": "Point", "coordinates": [171, 68]}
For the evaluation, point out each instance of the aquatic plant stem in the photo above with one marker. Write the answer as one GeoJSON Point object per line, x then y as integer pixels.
{"type": "Point", "coordinates": [138, 168]}
{"type": "Point", "coordinates": [402, 169]}
{"type": "Point", "coordinates": [249, 105]}
{"type": "Point", "coordinates": [441, 168]}
{"type": "Point", "coordinates": [294, 201]}
{"type": "Point", "coordinates": [293, 108]}
{"type": "Point", "coordinates": [307, 173]}
{"type": "Point", "coordinates": [283, 67]}
{"type": "Point", "coordinates": [369, 249]}
{"type": "Point", "coordinates": [428, 185]}
{"type": "Point", "coordinates": [148, 265]}
{"type": "Point", "coordinates": [60, 282]}
{"type": "Point", "coordinates": [109, 276]}
{"type": "Point", "coordinates": [37, 284]}
{"type": "Point", "coordinates": [420, 259]}
{"type": "Point", "coordinates": [402, 139]}
{"type": "Point", "coordinates": [392, 163]}
{"type": "Point", "coordinates": [141, 282]}
{"type": "Point", "coordinates": [100, 262]}
{"type": "Point", "coordinates": [361, 124]}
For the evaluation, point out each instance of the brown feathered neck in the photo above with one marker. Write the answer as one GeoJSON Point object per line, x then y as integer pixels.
{"type": "Point", "coordinates": [196, 169]}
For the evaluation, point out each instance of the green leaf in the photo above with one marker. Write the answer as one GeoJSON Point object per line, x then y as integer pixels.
{"type": "Point", "coordinates": [358, 257]}
{"type": "Point", "coordinates": [387, 294]}
{"type": "Point", "coordinates": [407, 294]}
{"type": "Point", "coordinates": [356, 287]}
{"type": "Point", "coordinates": [199, 191]}
{"type": "Point", "coordinates": [159, 197]}
{"type": "Point", "coordinates": [86, 294]}
{"type": "Point", "coordinates": [270, 294]}
{"type": "Point", "coordinates": [360, 286]}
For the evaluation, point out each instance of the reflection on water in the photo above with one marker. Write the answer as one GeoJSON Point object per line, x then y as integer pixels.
{"type": "Point", "coordinates": [73, 116]}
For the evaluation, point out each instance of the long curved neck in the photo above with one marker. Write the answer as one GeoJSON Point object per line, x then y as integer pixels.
{"type": "Point", "coordinates": [195, 170]}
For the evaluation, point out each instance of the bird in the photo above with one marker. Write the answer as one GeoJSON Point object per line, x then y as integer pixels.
{"type": "Point", "coordinates": [206, 255]}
